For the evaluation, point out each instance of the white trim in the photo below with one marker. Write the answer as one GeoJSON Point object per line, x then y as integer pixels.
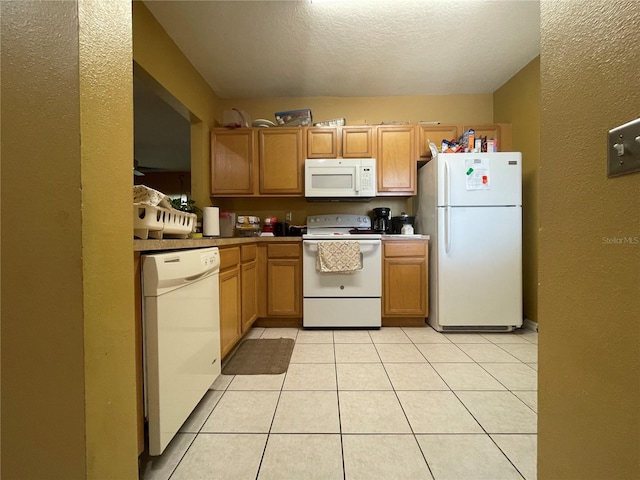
{"type": "Point", "coordinates": [530, 324]}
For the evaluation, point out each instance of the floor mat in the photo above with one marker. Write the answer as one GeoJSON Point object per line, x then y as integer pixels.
{"type": "Point", "coordinates": [260, 356]}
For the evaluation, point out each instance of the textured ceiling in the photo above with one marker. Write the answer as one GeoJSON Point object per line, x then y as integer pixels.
{"type": "Point", "coordinates": [251, 49]}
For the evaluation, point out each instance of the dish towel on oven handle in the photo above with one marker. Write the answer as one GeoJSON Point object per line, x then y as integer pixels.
{"type": "Point", "coordinates": [339, 257]}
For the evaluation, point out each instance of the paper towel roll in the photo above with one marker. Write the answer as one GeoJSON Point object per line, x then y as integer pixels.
{"type": "Point", "coordinates": [211, 222]}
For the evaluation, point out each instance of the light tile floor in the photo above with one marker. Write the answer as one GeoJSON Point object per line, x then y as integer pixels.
{"type": "Point", "coordinates": [394, 403]}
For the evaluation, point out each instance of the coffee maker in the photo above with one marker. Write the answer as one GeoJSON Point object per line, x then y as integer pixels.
{"type": "Point", "coordinates": [382, 220]}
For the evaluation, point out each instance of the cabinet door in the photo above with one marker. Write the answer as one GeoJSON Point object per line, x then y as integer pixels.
{"type": "Point", "coordinates": [435, 133]}
{"type": "Point", "coordinates": [229, 309]}
{"type": "Point", "coordinates": [405, 279]}
{"type": "Point", "coordinates": [249, 283]}
{"type": "Point", "coordinates": [397, 161]}
{"type": "Point", "coordinates": [232, 162]}
{"type": "Point", "coordinates": [357, 142]}
{"type": "Point", "coordinates": [322, 142]}
{"type": "Point", "coordinates": [404, 287]}
{"type": "Point", "coordinates": [281, 157]}
{"type": "Point", "coordinates": [492, 132]}
{"type": "Point", "coordinates": [284, 281]}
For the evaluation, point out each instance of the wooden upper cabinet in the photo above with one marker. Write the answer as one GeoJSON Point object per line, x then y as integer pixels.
{"type": "Point", "coordinates": [281, 159]}
{"type": "Point", "coordinates": [358, 142]}
{"type": "Point", "coordinates": [435, 133]}
{"type": "Point", "coordinates": [498, 131]}
{"type": "Point", "coordinates": [397, 160]}
{"type": "Point", "coordinates": [322, 142]}
{"type": "Point", "coordinates": [232, 161]}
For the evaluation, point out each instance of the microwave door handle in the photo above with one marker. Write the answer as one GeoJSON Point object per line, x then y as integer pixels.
{"type": "Point", "coordinates": [358, 173]}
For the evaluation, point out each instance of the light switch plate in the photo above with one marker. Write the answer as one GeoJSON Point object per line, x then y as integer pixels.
{"type": "Point", "coordinates": [624, 149]}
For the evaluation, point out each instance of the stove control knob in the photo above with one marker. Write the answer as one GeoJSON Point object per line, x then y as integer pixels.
{"type": "Point", "coordinates": [338, 219]}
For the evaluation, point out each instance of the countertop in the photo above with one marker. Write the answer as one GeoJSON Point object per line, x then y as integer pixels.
{"type": "Point", "coordinates": [181, 244]}
{"type": "Point", "coordinates": [415, 236]}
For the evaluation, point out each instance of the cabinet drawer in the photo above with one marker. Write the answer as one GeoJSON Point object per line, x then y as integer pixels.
{"type": "Point", "coordinates": [248, 252]}
{"type": "Point", "coordinates": [283, 250]}
{"type": "Point", "coordinates": [414, 248]}
{"type": "Point", "coordinates": [229, 257]}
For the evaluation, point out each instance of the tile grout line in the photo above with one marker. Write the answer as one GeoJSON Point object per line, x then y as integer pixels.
{"type": "Point", "coordinates": [395, 392]}
{"type": "Point", "coordinates": [198, 432]}
{"type": "Point", "coordinates": [275, 410]}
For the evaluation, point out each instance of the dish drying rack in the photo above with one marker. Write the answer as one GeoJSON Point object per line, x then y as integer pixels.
{"type": "Point", "coordinates": [154, 217]}
{"type": "Point", "coordinates": [150, 221]}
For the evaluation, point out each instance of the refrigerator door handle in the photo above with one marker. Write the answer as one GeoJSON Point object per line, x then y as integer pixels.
{"type": "Point", "coordinates": [447, 229]}
{"type": "Point", "coordinates": [447, 184]}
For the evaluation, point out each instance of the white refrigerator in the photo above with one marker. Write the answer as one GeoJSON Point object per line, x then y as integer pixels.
{"type": "Point", "coordinates": [471, 206]}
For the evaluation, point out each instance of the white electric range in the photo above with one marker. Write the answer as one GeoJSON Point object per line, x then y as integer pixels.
{"type": "Point", "coordinates": [338, 299]}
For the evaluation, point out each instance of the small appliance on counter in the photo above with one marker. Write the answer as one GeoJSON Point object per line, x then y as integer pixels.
{"type": "Point", "coordinates": [281, 229]}
{"type": "Point", "coordinates": [227, 224]}
{"type": "Point", "coordinates": [247, 226]}
{"type": "Point", "coordinates": [296, 230]}
{"type": "Point", "coordinates": [382, 220]}
{"type": "Point", "coordinates": [268, 229]}
{"type": "Point", "coordinates": [398, 224]}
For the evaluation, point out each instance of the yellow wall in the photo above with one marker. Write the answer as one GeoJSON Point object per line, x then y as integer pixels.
{"type": "Point", "coordinates": [412, 109]}
{"type": "Point", "coordinates": [158, 55]}
{"type": "Point", "coordinates": [68, 382]}
{"type": "Point", "coordinates": [589, 294]}
{"type": "Point", "coordinates": [518, 102]}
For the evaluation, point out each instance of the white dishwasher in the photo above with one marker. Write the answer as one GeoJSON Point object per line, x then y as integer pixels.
{"type": "Point", "coordinates": [181, 337]}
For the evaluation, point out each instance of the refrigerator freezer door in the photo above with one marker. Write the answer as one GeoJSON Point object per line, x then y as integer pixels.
{"type": "Point", "coordinates": [479, 267]}
{"type": "Point", "coordinates": [480, 179]}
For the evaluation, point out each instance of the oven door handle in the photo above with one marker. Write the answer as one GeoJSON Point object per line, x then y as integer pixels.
{"type": "Point", "coordinates": [371, 244]}
{"type": "Point", "coordinates": [361, 242]}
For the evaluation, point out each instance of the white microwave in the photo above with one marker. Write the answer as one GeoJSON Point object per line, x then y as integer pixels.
{"type": "Point", "coordinates": [340, 177]}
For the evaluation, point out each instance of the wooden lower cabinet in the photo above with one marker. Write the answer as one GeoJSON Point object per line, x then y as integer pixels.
{"type": "Point", "coordinates": [249, 286]}
{"type": "Point", "coordinates": [230, 306]}
{"type": "Point", "coordinates": [405, 279]}
{"type": "Point", "coordinates": [284, 280]}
